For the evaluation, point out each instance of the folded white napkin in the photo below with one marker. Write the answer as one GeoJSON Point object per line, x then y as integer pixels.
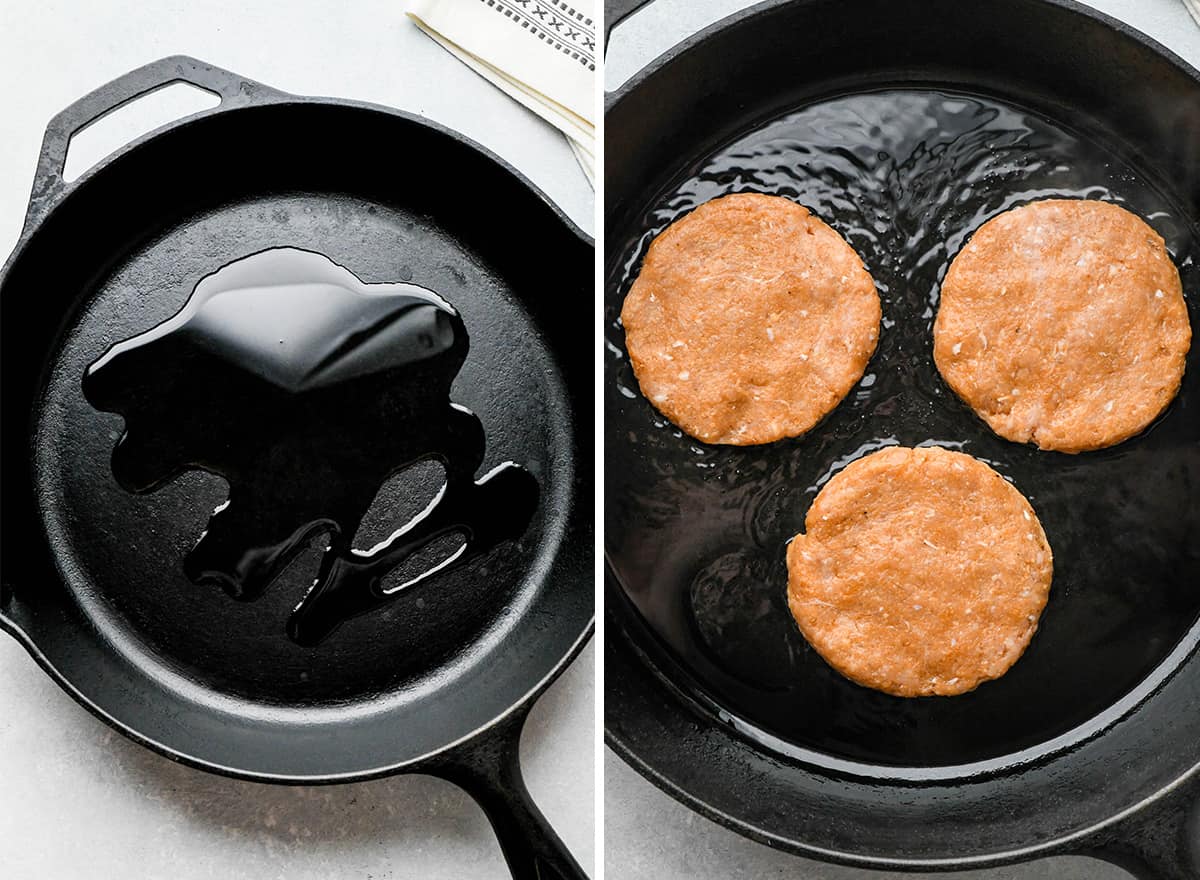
{"type": "Point", "coordinates": [541, 53]}
{"type": "Point", "coordinates": [1194, 8]}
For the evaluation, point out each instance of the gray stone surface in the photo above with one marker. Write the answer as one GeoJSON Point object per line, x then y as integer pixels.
{"type": "Point", "coordinates": [76, 799]}
{"type": "Point", "coordinates": [648, 835]}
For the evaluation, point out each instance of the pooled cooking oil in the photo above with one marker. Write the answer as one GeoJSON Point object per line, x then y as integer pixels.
{"type": "Point", "coordinates": [306, 389]}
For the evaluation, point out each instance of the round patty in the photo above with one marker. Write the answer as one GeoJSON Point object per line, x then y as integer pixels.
{"type": "Point", "coordinates": [1063, 323]}
{"type": "Point", "coordinates": [750, 320]}
{"type": "Point", "coordinates": [920, 572]}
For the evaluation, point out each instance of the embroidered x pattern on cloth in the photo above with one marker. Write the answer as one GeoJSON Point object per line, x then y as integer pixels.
{"type": "Point", "coordinates": [541, 53]}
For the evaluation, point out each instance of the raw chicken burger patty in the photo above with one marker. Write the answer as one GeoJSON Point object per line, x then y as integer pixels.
{"type": "Point", "coordinates": [1063, 323]}
{"type": "Point", "coordinates": [750, 320]}
{"type": "Point", "coordinates": [920, 572]}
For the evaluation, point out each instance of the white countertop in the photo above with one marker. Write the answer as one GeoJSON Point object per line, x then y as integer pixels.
{"type": "Point", "coordinates": [648, 835]}
{"type": "Point", "coordinates": [76, 799]}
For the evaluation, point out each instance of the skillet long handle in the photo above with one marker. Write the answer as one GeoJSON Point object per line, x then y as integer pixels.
{"type": "Point", "coordinates": [1160, 841]}
{"type": "Point", "coordinates": [233, 90]}
{"type": "Point", "coordinates": [488, 768]}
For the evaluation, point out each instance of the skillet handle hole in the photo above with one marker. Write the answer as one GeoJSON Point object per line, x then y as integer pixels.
{"type": "Point", "coordinates": [130, 121]}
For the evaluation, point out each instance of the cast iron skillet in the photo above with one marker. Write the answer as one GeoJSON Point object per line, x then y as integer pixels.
{"type": "Point", "coordinates": [437, 681]}
{"type": "Point", "coordinates": [1091, 744]}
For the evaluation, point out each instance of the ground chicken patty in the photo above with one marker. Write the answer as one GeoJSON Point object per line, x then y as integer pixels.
{"type": "Point", "coordinates": [750, 320]}
{"type": "Point", "coordinates": [1063, 323]}
{"type": "Point", "coordinates": [920, 572]}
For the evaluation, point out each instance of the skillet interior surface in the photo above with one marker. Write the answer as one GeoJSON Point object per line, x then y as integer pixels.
{"type": "Point", "coordinates": [905, 142]}
{"type": "Point", "coordinates": [217, 681]}
{"type": "Point", "coordinates": [697, 532]}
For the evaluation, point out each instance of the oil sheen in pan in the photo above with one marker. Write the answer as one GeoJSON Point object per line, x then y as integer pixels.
{"type": "Point", "coordinates": [306, 390]}
{"type": "Point", "coordinates": [696, 533]}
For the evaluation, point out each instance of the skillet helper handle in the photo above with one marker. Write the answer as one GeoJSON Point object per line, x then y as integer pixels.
{"type": "Point", "coordinates": [488, 768]}
{"type": "Point", "coordinates": [48, 184]}
{"type": "Point", "coordinates": [1160, 841]}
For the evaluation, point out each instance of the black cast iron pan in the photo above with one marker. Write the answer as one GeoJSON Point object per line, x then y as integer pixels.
{"type": "Point", "coordinates": [906, 126]}
{"type": "Point", "coordinates": [190, 652]}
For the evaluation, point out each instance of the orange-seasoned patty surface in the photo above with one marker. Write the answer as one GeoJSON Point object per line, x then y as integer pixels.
{"type": "Point", "coordinates": [1063, 323]}
{"type": "Point", "coordinates": [920, 572]}
{"type": "Point", "coordinates": [749, 320]}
